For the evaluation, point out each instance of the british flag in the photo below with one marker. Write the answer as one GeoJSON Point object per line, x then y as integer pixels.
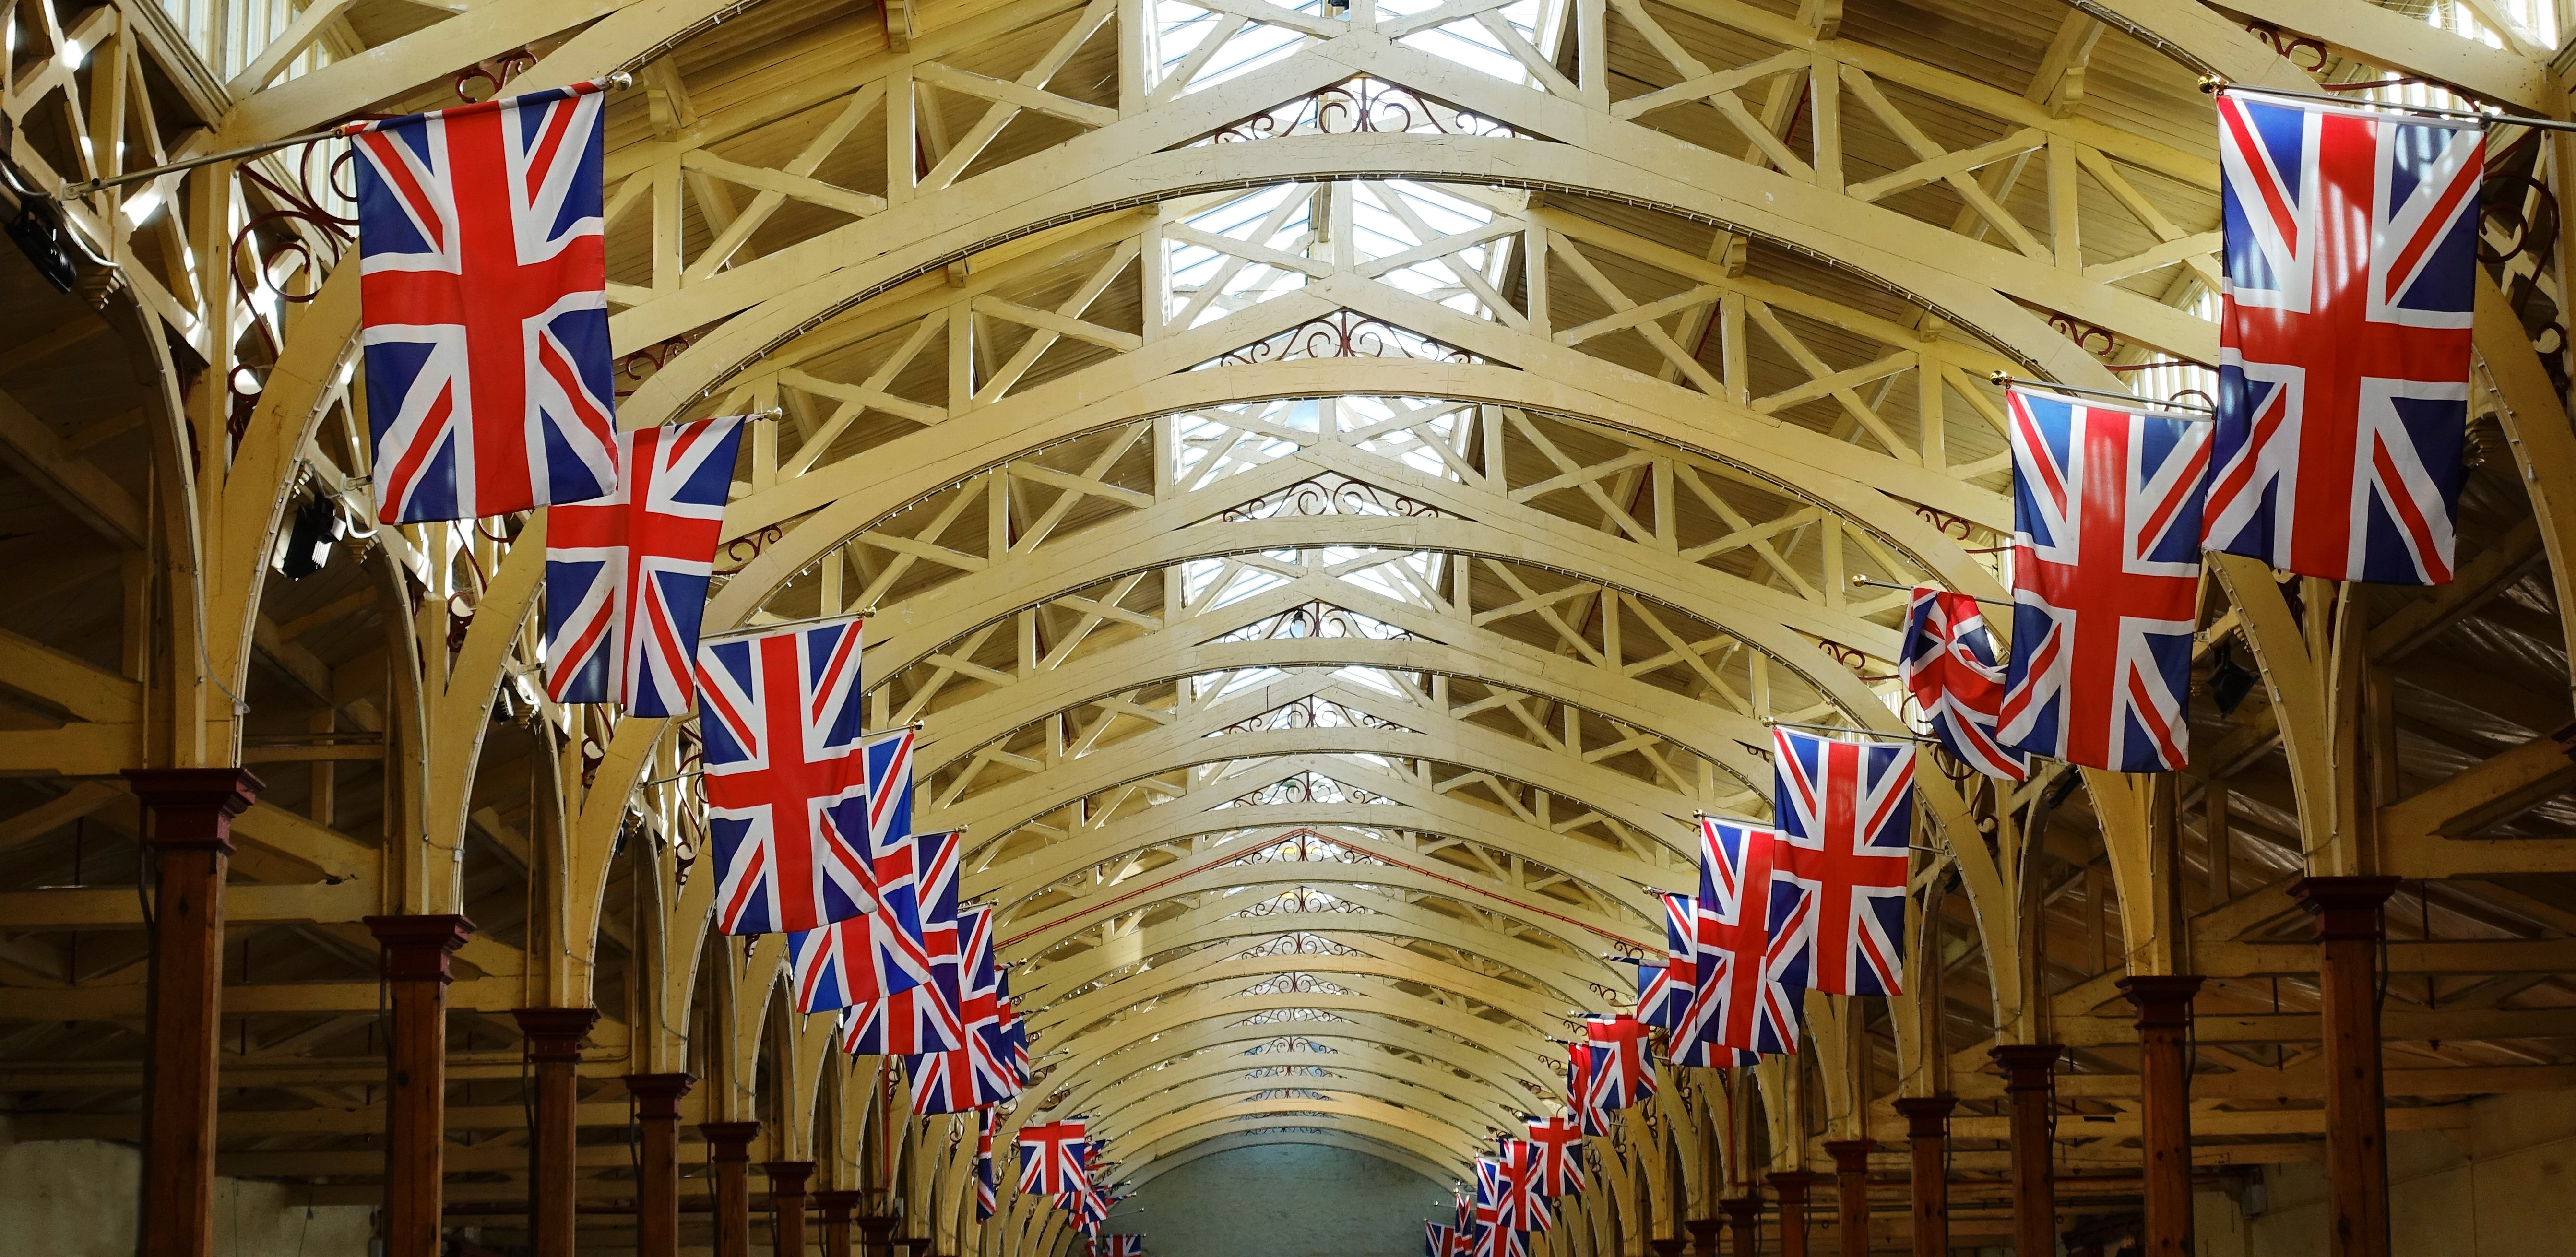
{"type": "Point", "coordinates": [1947, 662]}
{"type": "Point", "coordinates": [1742, 1006]}
{"type": "Point", "coordinates": [2106, 583]}
{"type": "Point", "coordinates": [1557, 1145]}
{"type": "Point", "coordinates": [1438, 1239]}
{"type": "Point", "coordinates": [483, 286]}
{"type": "Point", "coordinates": [1622, 1073]}
{"type": "Point", "coordinates": [1655, 1002]}
{"type": "Point", "coordinates": [1051, 1157]}
{"type": "Point", "coordinates": [942, 1082]}
{"type": "Point", "coordinates": [626, 575]}
{"type": "Point", "coordinates": [895, 858]}
{"type": "Point", "coordinates": [1582, 1087]}
{"type": "Point", "coordinates": [1493, 1202]}
{"type": "Point", "coordinates": [923, 1017]}
{"type": "Point", "coordinates": [833, 967]}
{"type": "Point", "coordinates": [786, 783]}
{"type": "Point", "coordinates": [987, 1191]}
{"type": "Point", "coordinates": [1125, 1246]}
{"type": "Point", "coordinates": [1844, 813]}
{"type": "Point", "coordinates": [2344, 333]}
{"type": "Point", "coordinates": [1522, 1200]}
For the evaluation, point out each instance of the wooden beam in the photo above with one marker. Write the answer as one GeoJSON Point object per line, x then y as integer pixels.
{"type": "Point", "coordinates": [2485, 794]}
{"type": "Point", "coordinates": [270, 1123]}
{"type": "Point", "coordinates": [91, 495]}
{"type": "Point", "coordinates": [83, 1003]}
{"type": "Point", "coordinates": [44, 818]}
{"type": "Point", "coordinates": [2228, 959]}
{"type": "Point", "coordinates": [2463, 1025]}
{"type": "Point", "coordinates": [118, 907]}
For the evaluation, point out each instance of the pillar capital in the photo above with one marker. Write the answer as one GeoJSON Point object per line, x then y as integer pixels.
{"type": "Point", "coordinates": [836, 1202]}
{"type": "Point", "coordinates": [554, 1034]}
{"type": "Point", "coordinates": [194, 807]}
{"type": "Point", "coordinates": [1926, 1117]}
{"type": "Point", "coordinates": [2346, 907]}
{"type": "Point", "coordinates": [2026, 1066]}
{"type": "Point", "coordinates": [2163, 1000]}
{"type": "Point", "coordinates": [1702, 1228]}
{"type": "Point", "coordinates": [1851, 1156]}
{"type": "Point", "coordinates": [1667, 1246]}
{"type": "Point", "coordinates": [416, 948]}
{"type": "Point", "coordinates": [730, 1141]}
{"type": "Point", "coordinates": [1792, 1185]}
{"type": "Point", "coordinates": [790, 1175]}
{"type": "Point", "coordinates": [1742, 1209]}
{"type": "Point", "coordinates": [658, 1095]}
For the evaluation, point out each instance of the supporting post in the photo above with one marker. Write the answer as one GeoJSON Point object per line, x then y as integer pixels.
{"type": "Point", "coordinates": [1744, 1221]}
{"type": "Point", "coordinates": [1667, 1245]}
{"type": "Point", "coordinates": [2030, 1084]}
{"type": "Point", "coordinates": [192, 842]}
{"type": "Point", "coordinates": [2163, 1004]}
{"type": "Point", "coordinates": [1927, 1136]}
{"type": "Point", "coordinates": [2349, 928]}
{"type": "Point", "coordinates": [1703, 1236]}
{"type": "Point", "coordinates": [879, 1229]}
{"type": "Point", "coordinates": [657, 1181]}
{"type": "Point", "coordinates": [787, 1203]}
{"type": "Point", "coordinates": [415, 952]}
{"type": "Point", "coordinates": [1792, 1186]}
{"type": "Point", "coordinates": [729, 1151]}
{"type": "Point", "coordinates": [553, 1044]}
{"type": "Point", "coordinates": [1851, 1193]}
{"type": "Point", "coordinates": [836, 1206]}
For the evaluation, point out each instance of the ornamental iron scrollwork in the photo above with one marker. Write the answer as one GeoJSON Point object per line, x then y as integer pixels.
{"type": "Point", "coordinates": [1328, 494]}
{"type": "Point", "coordinates": [1359, 106]}
{"type": "Point", "coordinates": [743, 549]}
{"type": "Point", "coordinates": [1344, 334]}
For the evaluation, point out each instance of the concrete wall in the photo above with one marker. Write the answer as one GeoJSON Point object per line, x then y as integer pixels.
{"type": "Point", "coordinates": [77, 1198]}
{"type": "Point", "coordinates": [2503, 1187]}
{"type": "Point", "coordinates": [1284, 1200]}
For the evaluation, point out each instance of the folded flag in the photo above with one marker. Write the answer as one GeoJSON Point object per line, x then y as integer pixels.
{"type": "Point", "coordinates": [483, 297]}
{"type": "Point", "coordinates": [2351, 249]}
{"type": "Point", "coordinates": [1947, 662]}
{"type": "Point", "coordinates": [786, 783]}
{"type": "Point", "coordinates": [1845, 817]}
{"type": "Point", "coordinates": [2106, 583]}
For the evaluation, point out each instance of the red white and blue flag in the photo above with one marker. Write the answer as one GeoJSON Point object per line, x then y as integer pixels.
{"type": "Point", "coordinates": [1622, 1074]}
{"type": "Point", "coordinates": [2344, 332]}
{"type": "Point", "coordinates": [1582, 1074]}
{"type": "Point", "coordinates": [833, 967]}
{"type": "Point", "coordinates": [1656, 1005]}
{"type": "Point", "coordinates": [1051, 1157]}
{"type": "Point", "coordinates": [1124, 1246]}
{"type": "Point", "coordinates": [2106, 583]}
{"type": "Point", "coordinates": [987, 1190]}
{"type": "Point", "coordinates": [1438, 1239]}
{"type": "Point", "coordinates": [1493, 1204]}
{"type": "Point", "coordinates": [1844, 817]}
{"type": "Point", "coordinates": [786, 783]}
{"type": "Point", "coordinates": [626, 575]}
{"type": "Point", "coordinates": [1557, 1144]}
{"type": "Point", "coordinates": [484, 298]}
{"type": "Point", "coordinates": [894, 856]}
{"type": "Point", "coordinates": [922, 1018]}
{"type": "Point", "coordinates": [1742, 1006]}
{"type": "Point", "coordinates": [1947, 662]}
{"type": "Point", "coordinates": [1522, 1199]}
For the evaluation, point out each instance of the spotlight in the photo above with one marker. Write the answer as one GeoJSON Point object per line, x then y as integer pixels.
{"type": "Point", "coordinates": [308, 544]}
{"type": "Point", "coordinates": [38, 229]}
{"type": "Point", "coordinates": [2230, 681]}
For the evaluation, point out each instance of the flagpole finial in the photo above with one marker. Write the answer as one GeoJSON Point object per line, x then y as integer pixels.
{"type": "Point", "coordinates": [621, 80]}
{"type": "Point", "coordinates": [2211, 84]}
{"type": "Point", "coordinates": [2000, 379]}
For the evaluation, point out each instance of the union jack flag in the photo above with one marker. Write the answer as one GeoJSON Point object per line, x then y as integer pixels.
{"type": "Point", "coordinates": [1557, 1145]}
{"type": "Point", "coordinates": [1051, 1157]}
{"type": "Point", "coordinates": [1655, 999]}
{"type": "Point", "coordinates": [1582, 1087]}
{"type": "Point", "coordinates": [2106, 583]}
{"type": "Point", "coordinates": [1621, 1075]}
{"type": "Point", "coordinates": [896, 858]}
{"type": "Point", "coordinates": [2344, 329]}
{"type": "Point", "coordinates": [1493, 1208]}
{"type": "Point", "coordinates": [922, 1018]}
{"type": "Point", "coordinates": [1438, 1239]}
{"type": "Point", "coordinates": [833, 967]}
{"type": "Point", "coordinates": [942, 1082]}
{"type": "Point", "coordinates": [626, 575]}
{"type": "Point", "coordinates": [787, 788]}
{"type": "Point", "coordinates": [483, 286]}
{"type": "Point", "coordinates": [1845, 813]}
{"type": "Point", "coordinates": [1522, 1196]}
{"type": "Point", "coordinates": [987, 1191]}
{"type": "Point", "coordinates": [1742, 1005]}
{"type": "Point", "coordinates": [1948, 664]}
{"type": "Point", "coordinates": [1125, 1246]}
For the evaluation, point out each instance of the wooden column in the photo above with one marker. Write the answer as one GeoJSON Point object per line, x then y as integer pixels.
{"type": "Point", "coordinates": [657, 1173]}
{"type": "Point", "coordinates": [729, 1151]}
{"type": "Point", "coordinates": [1851, 1193]}
{"type": "Point", "coordinates": [2163, 1004]}
{"type": "Point", "coordinates": [879, 1230]}
{"type": "Point", "coordinates": [787, 1181]}
{"type": "Point", "coordinates": [191, 838]}
{"type": "Point", "coordinates": [553, 1043]}
{"type": "Point", "coordinates": [1703, 1233]}
{"type": "Point", "coordinates": [1744, 1221]}
{"type": "Point", "coordinates": [1792, 1186]}
{"type": "Point", "coordinates": [2349, 928]}
{"type": "Point", "coordinates": [836, 1208]}
{"type": "Point", "coordinates": [1667, 1245]}
{"type": "Point", "coordinates": [414, 956]}
{"type": "Point", "coordinates": [2030, 1085]}
{"type": "Point", "coordinates": [1927, 1136]}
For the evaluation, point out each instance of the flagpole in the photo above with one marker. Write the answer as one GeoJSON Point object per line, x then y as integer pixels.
{"type": "Point", "coordinates": [1870, 583]}
{"type": "Point", "coordinates": [748, 630]}
{"type": "Point", "coordinates": [2200, 413]}
{"type": "Point", "coordinates": [1864, 733]}
{"type": "Point", "coordinates": [620, 79]}
{"type": "Point", "coordinates": [2215, 86]}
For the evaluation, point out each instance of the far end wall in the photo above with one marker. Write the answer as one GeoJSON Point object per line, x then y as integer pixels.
{"type": "Point", "coordinates": [1284, 1200]}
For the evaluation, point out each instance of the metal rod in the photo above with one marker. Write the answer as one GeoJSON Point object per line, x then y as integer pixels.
{"type": "Point", "coordinates": [1864, 733]}
{"type": "Point", "coordinates": [620, 79]}
{"type": "Point", "coordinates": [2201, 414]}
{"type": "Point", "coordinates": [1889, 584]}
{"type": "Point", "coordinates": [2215, 85]}
{"type": "Point", "coordinates": [750, 630]}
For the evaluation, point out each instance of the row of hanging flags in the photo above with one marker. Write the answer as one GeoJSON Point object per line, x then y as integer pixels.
{"type": "Point", "coordinates": [1062, 1161]}
{"type": "Point", "coordinates": [2350, 254]}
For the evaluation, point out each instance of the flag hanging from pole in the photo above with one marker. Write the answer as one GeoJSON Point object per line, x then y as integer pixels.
{"type": "Point", "coordinates": [1845, 817]}
{"type": "Point", "coordinates": [787, 786]}
{"type": "Point", "coordinates": [483, 297]}
{"type": "Point", "coordinates": [2351, 251]}
{"type": "Point", "coordinates": [1946, 660]}
{"type": "Point", "coordinates": [1742, 1005]}
{"type": "Point", "coordinates": [1558, 1146]}
{"type": "Point", "coordinates": [626, 574]}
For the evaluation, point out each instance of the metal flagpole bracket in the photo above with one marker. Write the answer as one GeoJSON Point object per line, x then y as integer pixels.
{"type": "Point", "coordinates": [1871, 583]}
{"type": "Point", "coordinates": [1858, 733]}
{"type": "Point", "coordinates": [2214, 85]}
{"type": "Point", "coordinates": [2199, 413]}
